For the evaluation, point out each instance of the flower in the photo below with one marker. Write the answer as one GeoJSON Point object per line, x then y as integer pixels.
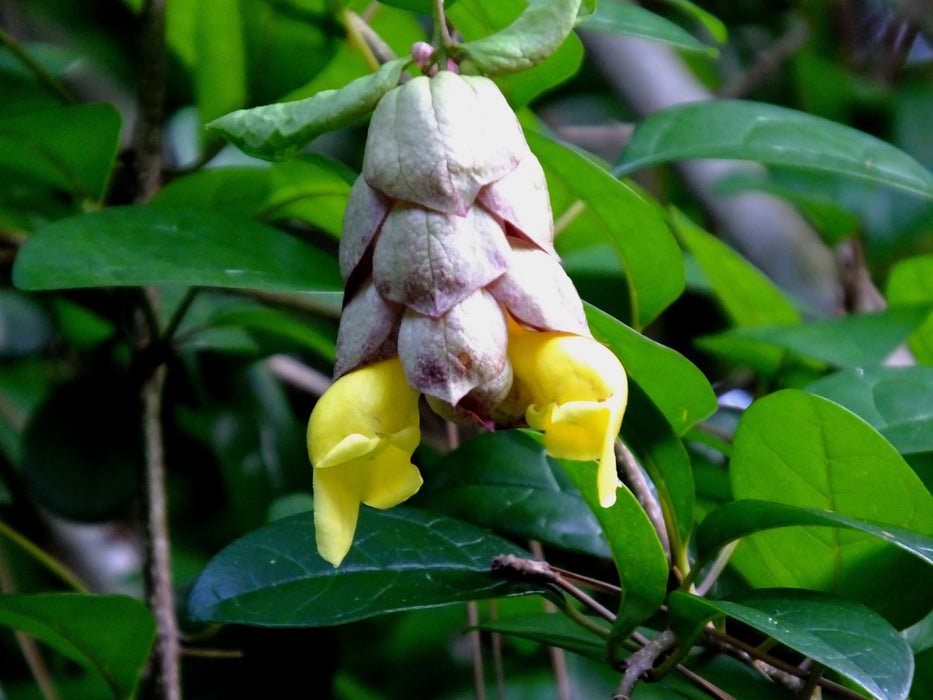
{"type": "Point", "coordinates": [453, 290]}
{"type": "Point", "coordinates": [361, 437]}
{"type": "Point", "coordinates": [575, 391]}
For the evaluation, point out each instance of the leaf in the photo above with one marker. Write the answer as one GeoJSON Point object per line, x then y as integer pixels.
{"type": "Point", "coordinates": [475, 19]}
{"type": "Point", "coordinates": [636, 550]}
{"type": "Point", "coordinates": [401, 559]}
{"type": "Point", "coordinates": [750, 298]}
{"type": "Point", "coordinates": [140, 245]}
{"type": "Point", "coordinates": [857, 340]}
{"type": "Point", "coordinates": [110, 634]}
{"type": "Point", "coordinates": [72, 147]}
{"type": "Point", "coordinates": [710, 22]}
{"type": "Point", "coordinates": [506, 482]}
{"type": "Point", "coordinates": [674, 384]}
{"type": "Point", "coordinates": [771, 135]}
{"type": "Point", "coordinates": [219, 64]}
{"type": "Point", "coordinates": [842, 635]}
{"type": "Point", "coordinates": [802, 450]}
{"type": "Point", "coordinates": [663, 457]}
{"type": "Point", "coordinates": [278, 131]}
{"type": "Point", "coordinates": [895, 401]}
{"type": "Point", "coordinates": [631, 222]}
{"type": "Point", "coordinates": [738, 519]}
{"type": "Point", "coordinates": [633, 20]}
{"type": "Point", "coordinates": [552, 629]}
{"type": "Point", "coordinates": [536, 34]}
{"type": "Point", "coordinates": [909, 282]}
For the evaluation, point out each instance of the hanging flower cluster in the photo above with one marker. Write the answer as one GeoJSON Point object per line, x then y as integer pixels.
{"type": "Point", "coordinates": [453, 290]}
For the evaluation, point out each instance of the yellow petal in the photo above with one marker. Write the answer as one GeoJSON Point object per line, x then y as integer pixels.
{"type": "Point", "coordinates": [361, 436]}
{"type": "Point", "coordinates": [578, 391]}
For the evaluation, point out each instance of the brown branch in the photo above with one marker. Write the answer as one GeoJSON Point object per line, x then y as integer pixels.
{"type": "Point", "coordinates": [148, 133]}
{"type": "Point", "coordinates": [635, 479]}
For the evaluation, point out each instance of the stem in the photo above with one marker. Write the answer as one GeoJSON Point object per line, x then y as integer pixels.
{"type": "Point", "coordinates": [166, 652]}
{"type": "Point", "coordinates": [51, 82]}
{"type": "Point", "coordinates": [148, 136]}
{"type": "Point", "coordinates": [59, 570]}
{"type": "Point", "coordinates": [634, 477]}
{"type": "Point", "coordinates": [27, 644]}
{"type": "Point", "coordinates": [476, 650]}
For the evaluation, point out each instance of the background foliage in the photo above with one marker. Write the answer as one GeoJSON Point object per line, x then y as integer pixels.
{"type": "Point", "coordinates": [177, 305]}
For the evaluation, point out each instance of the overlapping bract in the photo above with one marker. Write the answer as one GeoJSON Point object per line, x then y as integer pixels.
{"type": "Point", "coordinates": [449, 266]}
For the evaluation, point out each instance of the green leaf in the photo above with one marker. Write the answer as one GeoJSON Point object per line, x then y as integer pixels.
{"type": "Point", "coordinates": [553, 629]}
{"type": "Point", "coordinates": [280, 325]}
{"type": "Point", "coordinates": [110, 634]}
{"type": "Point", "coordinates": [635, 548]}
{"type": "Point", "coordinates": [738, 519]}
{"type": "Point", "coordinates": [475, 19]}
{"type": "Point", "coordinates": [673, 383]}
{"type": "Point", "coordinates": [749, 297]}
{"type": "Point", "coordinates": [401, 559]}
{"type": "Point", "coordinates": [911, 282]}
{"type": "Point", "coordinates": [505, 481]}
{"type": "Point", "coordinates": [895, 401]}
{"type": "Point", "coordinates": [662, 455]}
{"type": "Point", "coordinates": [842, 635]}
{"type": "Point", "coordinates": [633, 20]}
{"type": "Point", "coordinates": [802, 450]}
{"type": "Point", "coordinates": [140, 245]}
{"type": "Point", "coordinates": [536, 34]}
{"type": "Point", "coordinates": [71, 147]}
{"type": "Point", "coordinates": [773, 135]}
{"type": "Point", "coordinates": [219, 64]}
{"type": "Point", "coordinates": [857, 340]}
{"type": "Point", "coordinates": [710, 22]}
{"type": "Point", "coordinates": [630, 221]}
{"type": "Point", "coordinates": [278, 131]}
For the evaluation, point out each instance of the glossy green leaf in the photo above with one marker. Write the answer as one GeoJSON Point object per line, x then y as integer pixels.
{"type": "Point", "coordinates": [635, 548]}
{"type": "Point", "coordinates": [842, 635]}
{"type": "Point", "coordinates": [220, 61]}
{"type": "Point", "coordinates": [769, 134]}
{"type": "Point", "coordinates": [534, 35]}
{"type": "Point", "coordinates": [138, 245]}
{"type": "Point", "coordinates": [911, 282]}
{"type": "Point", "coordinates": [278, 131]}
{"type": "Point", "coordinates": [802, 450]}
{"type": "Point", "coordinates": [401, 559]}
{"type": "Point", "coordinates": [857, 340]}
{"type": "Point", "coordinates": [233, 191]}
{"type": "Point", "coordinates": [476, 19]}
{"type": "Point", "coordinates": [738, 519]}
{"type": "Point", "coordinates": [72, 147]}
{"type": "Point", "coordinates": [630, 221]}
{"type": "Point", "coordinates": [662, 455]}
{"type": "Point", "coordinates": [505, 481]}
{"type": "Point", "coordinates": [673, 383]}
{"type": "Point", "coordinates": [895, 401]}
{"type": "Point", "coordinates": [750, 298]}
{"type": "Point", "coordinates": [709, 21]}
{"type": "Point", "coordinates": [287, 329]}
{"type": "Point", "coordinates": [633, 20]}
{"type": "Point", "coordinates": [109, 634]}
{"type": "Point", "coordinates": [553, 629]}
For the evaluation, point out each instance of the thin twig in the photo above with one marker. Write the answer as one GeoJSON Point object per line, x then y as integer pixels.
{"type": "Point", "coordinates": [558, 659]}
{"type": "Point", "coordinates": [642, 661]}
{"type": "Point", "coordinates": [51, 82]}
{"type": "Point", "coordinates": [476, 651]}
{"type": "Point", "coordinates": [27, 644]}
{"type": "Point", "coordinates": [744, 652]}
{"type": "Point", "coordinates": [634, 478]}
{"type": "Point", "coordinates": [166, 651]}
{"type": "Point", "coordinates": [148, 136]}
